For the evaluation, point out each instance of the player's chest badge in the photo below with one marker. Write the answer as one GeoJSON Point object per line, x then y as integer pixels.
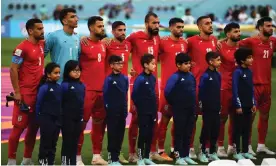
{"type": "Point", "coordinates": [19, 119]}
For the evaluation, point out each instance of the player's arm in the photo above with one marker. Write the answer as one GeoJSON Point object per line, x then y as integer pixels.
{"type": "Point", "coordinates": [235, 83]}
{"type": "Point", "coordinates": [247, 42]}
{"type": "Point", "coordinates": [105, 90]}
{"type": "Point", "coordinates": [40, 95]}
{"type": "Point", "coordinates": [169, 87]}
{"type": "Point", "coordinates": [17, 60]}
{"type": "Point", "coordinates": [64, 88]}
{"type": "Point", "coordinates": [49, 43]}
{"type": "Point", "coordinates": [202, 87]}
{"type": "Point", "coordinates": [136, 89]}
{"type": "Point", "coordinates": [254, 109]}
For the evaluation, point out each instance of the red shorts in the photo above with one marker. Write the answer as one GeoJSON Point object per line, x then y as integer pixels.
{"type": "Point", "coordinates": [164, 106]}
{"type": "Point", "coordinates": [93, 105]}
{"type": "Point", "coordinates": [262, 95]}
{"type": "Point", "coordinates": [21, 119]}
{"type": "Point", "coordinates": [226, 102]}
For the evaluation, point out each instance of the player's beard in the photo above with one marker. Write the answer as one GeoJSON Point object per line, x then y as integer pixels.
{"type": "Point", "coordinates": [153, 32]}
{"type": "Point", "coordinates": [100, 35]}
{"type": "Point", "coordinates": [41, 37]}
{"type": "Point", "coordinates": [235, 39]}
{"type": "Point", "coordinates": [178, 35]}
{"type": "Point", "coordinates": [267, 34]}
{"type": "Point", "coordinates": [121, 38]}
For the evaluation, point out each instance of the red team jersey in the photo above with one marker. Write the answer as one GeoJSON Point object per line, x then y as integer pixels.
{"type": "Point", "coordinates": [141, 44]}
{"type": "Point", "coordinates": [228, 65]}
{"type": "Point", "coordinates": [121, 49]}
{"type": "Point", "coordinates": [92, 61]}
{"type": "Point", "coordinates": [168, 50]}
{"type": "Point", "coordinates": [31, 68]}
{"type": "Point", "coordinates": [198, 48]}
{"type": "Point", "coordinates": [262, 55]}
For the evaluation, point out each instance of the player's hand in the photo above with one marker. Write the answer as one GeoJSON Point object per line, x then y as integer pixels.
{"type": "Point", "coordinates": [133, 72]}
{"type": "Point", "coordinates": [84, 40]}
{"type": "Point", "coordinates": [106, 41]}
{"type": "Point", "coordinates": [17, 98]}
{"type": "Point", "coordinates": [254, 109]}
{"type": "Point", "coordinates": [239, 111]}
{"type": "Point", "coordinates": [219, 45]}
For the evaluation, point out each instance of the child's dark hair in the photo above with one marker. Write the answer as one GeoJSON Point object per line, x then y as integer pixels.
{"type": "Point", "coordinates": [69, 66]}
{"type": "Point", "coordinates": [147, 58]}
{"type": "Point", "coordinates": [114, 58]}
{"type": "Point", "coordinates": [211, 55]}
{"type": "Point", "coordinates": [182, 58]}
{"type": "Point", "coordinates": [242, 54]}
{"type": "Point", "coordinates": [48, 70]}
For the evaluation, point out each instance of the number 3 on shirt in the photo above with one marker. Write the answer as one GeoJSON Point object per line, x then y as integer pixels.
{"type": "Point", "coordinates": [150, 50]}
{"type": "Point", "coordinates": [266, 53]}
{"type": "Point", "coordinates": [99, 57]}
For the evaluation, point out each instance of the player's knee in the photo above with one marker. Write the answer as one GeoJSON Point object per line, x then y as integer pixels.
{"type": "Point", "coordinates": [264, 115]}
{"type": "Point", "coordinates": [97, 121]}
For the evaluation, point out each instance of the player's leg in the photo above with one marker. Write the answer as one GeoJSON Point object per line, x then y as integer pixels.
{"type": "Point", "coordinates": [237, 131]}
{"type": "Point", "coordinates": [142, 123]}
{"type": "Point", "coordinates": [121, 134]}
{"type": "Point", "coordinates": [192, 153]}
{"type": "Point", "coordinates": [230, 149]}
{"type": "Point", "coordinates": [113, 139]}
{"type": "Point", "coordinates": [214, 133]}
{"type": "Point", "coordinates": [67, 131]}
{"type": "Point", "coordinates": [204, 137]}
{"type": "Point", "coordinates": [54, 139]}
{"type": "Point", "coordinates": [149, 134]}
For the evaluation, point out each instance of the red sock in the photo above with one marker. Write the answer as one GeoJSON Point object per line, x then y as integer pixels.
{"type": "Point", "coordinates": [97, 135]}
{"type": "Point", "coordinates": [262, 129]}
{"type": "Point", "coordinates": [30, 139]}
{"type": "Point", "coordinates": [132, 134]}
{"type": "Point", "coordinates": [230, 131]}
{"type": "Point", "coordinates": [81, 139]}
{"type": "Point", "coordinates": [193, 136]}
{"type": "Point", "coordinates": [13, 142]}
{"type": "Point", "coordinates": [172, 135]}
{"type": "Point", "coordinates": [221, 131]}
{"type": "Point", "coordinates": [154, 138]}
{"type": "Point", "coordinates": [162, 133]}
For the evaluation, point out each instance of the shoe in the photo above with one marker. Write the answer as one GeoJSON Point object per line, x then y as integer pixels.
{"type": "Point", "coordinates": [122, 158]}
{"type": "Point", "coordinates": [180, 161]}
{"type": "Point", "coordinates": [263, 148]}
{"type": "Point", "coordinates": [249, 156]}
{"type": "Point", "coordinates": [190, 161]}
{"type": "Point", "coordinates": [115, 163]}
{"type": "Point", "coordinates": [213, 156]}
{"type": "Point", "coordinates": [148, 162]}
{"type": "Point", "coordinates": [238, 156]}
{"type": "Point", "coordinates": [230, 150]}
{"type": "Point", "coordinates": [98, 160]}
{"type": "Point", "coordinates": [192, 153]}
{"type": "Point", "coordinates": [80, 163]}
{"type": "Point", "coordinates": [140, 162]}
{"type": "Point", "coordinates": [133, 158]}
{"type": "Point", "coordinates": [27, 161]}
{"type": "Point", "coordinates": [250, 150]}
{"type": "Point", "coordinates": [221, 152]}
{"type": "Point", "coordinates": [155, 156]}
{"type": "Point", "coordinates": [11, 162]}
{"type": "Point", "coordinates": [172, 155]}
{"type": "Point", "coordinates": [202, 157]}
{"type": "Point", "coordinates": [165, 156]}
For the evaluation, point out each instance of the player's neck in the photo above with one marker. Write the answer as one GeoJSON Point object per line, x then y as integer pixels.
{"type": "Point", "coordinates": [148, 34]}
{"type": "Point", "coordinates": [147, 71]}
{"type": "Point", "coordinates": [262, 37]}
{"type": "Point", "coordinates": [244, 66]}
{"type": "Point", "coordinates": [93, 38]}
{"type": "Point", "coordinates": [174, 38]}
{"type": "Point", "coordinates": [204, 36]}
{"type": "Point", "coordinates": [68, 30]}
{"type": "Point", "coordinates": [32, 40]}
{"type": "Point", "coordinates": [229, 42]}
{"type": "Point", "coordinates": [212, 68]}
{"type": "Point", "coordinates": [116, 40]}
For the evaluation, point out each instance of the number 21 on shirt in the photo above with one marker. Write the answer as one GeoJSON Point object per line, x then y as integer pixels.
{"type": "Point", "coordinates": [266, 54]}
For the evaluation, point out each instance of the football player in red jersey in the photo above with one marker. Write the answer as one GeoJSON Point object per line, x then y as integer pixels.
{"type": "Point", "coordinates": [25, 72]}
{"type": "Point", "coordinates": [227, 50]}
{"type": "Point", "coordinates": [169, 47]}
{"type": "Point", "coordinates": [263, 47]}
{"type": "Point", "coordinates": [92, 61]}
{"type": "Point", "coordinates": [143, 42]}
{"type": "Point", "coordinates": [198, 46]}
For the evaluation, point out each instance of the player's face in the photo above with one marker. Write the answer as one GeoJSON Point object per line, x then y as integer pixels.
{"type": "Point", "coordinates": [38, 31]}
{"type": "Point", "coordinates": [185, 67]}
{"type": "Point", "coordinates": [98, 29]}
{"type": "Point", "coordinates": [216, 62]}
{"type": "Point", "coordinates": [267, 29]}
{"type": "Point", "coordinates": [177, 29]}
{"type": "Point", "coordinates": [75, 74]}
{"type": "Point", "coordinates": [54, 75]}
{"type": "Point", "coordinates": [206, 26]}
{"type": "Point", "coordinates": [153, 25]}
{"type": "Point", "coordinates": [71, 20]}
{"type": "Point", "coordinates": [248, 61]}
{"type": "Point", "coordinates": [120, 33]}
{"type": "Point", "coordinates": [234, 35]}
{"type": "Point", "coordinates": [117, 66]}
{"type": "Point", "coordinates": [151, 66]}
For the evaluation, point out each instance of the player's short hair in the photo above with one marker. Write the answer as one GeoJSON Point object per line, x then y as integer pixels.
{"type": "Point", "coordinates": [116, 24]}
{"type": "Point", "coordinates": [242, 54]}
{"type": "Point", "coordinates": [175, 20]}
{"type": "Point", "coordinates": [114, 58]}
{"type": "Point", "coordinates": [230, 26]}
{"type": "Point", "coordinates": [146, 58]}
{"type": "Point", "coordinates": [69, 66]}
{"type": "Point", "coordinates": [92, 20]}
{"type": "Point", "coordinates": [64, 12]}
{"type": "Point", "coordinates": [201, 18]}
{"type": "Point", "coordinates": [149, 15]}
{"type": "Point", "coordinates": [261, 21]}
{"type": "Point", "coordinates": [31, 22]}
{"type": "Point", "coordinates": [211, 55]}
{"type": "Point", "coordinates": [182, 58]}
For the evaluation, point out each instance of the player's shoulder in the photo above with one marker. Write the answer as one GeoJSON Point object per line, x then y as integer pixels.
{"type": "Point", "coordinates": [192, 39]}
{"type": "Point", "coordinates": [165, 38]}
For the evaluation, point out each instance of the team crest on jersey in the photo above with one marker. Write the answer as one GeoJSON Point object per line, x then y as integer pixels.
{"type": "Point", "coordinates": [19, 119]}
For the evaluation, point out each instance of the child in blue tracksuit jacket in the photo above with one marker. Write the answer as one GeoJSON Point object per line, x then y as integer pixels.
{"type": "Point", "coordinates": [209, 98]}
{"type": "Point", "coordinates": [180, 92]}
{"type": "Point", "coordinates": [73, 92]}
{"type": "Point", "coordinates": [144, 98]}
{"type": "Point", "coordinates": [48, 111]}
{"type": "Point", "coordinates": [243, 101]}
{"type": "Point", "coordinates": [115, 101]}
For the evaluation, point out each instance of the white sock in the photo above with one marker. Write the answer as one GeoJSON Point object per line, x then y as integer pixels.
{"type": "Point", "coordinates": [96, 156]}
{"type": "Point", "coordinates": [221, 147]}
{"type": "Point", "coordinates": [261, 145]}
{"type": "Point", "coordinates": [230, 147]}
{"type": "Point", "coordinates": [79, 158]}
{"type": "Point", "coordinates": [161, 150]}
{"type": "Point", "coordinates": [192, 148]}
{"type": "Point", "coordinates": [172, 149]}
